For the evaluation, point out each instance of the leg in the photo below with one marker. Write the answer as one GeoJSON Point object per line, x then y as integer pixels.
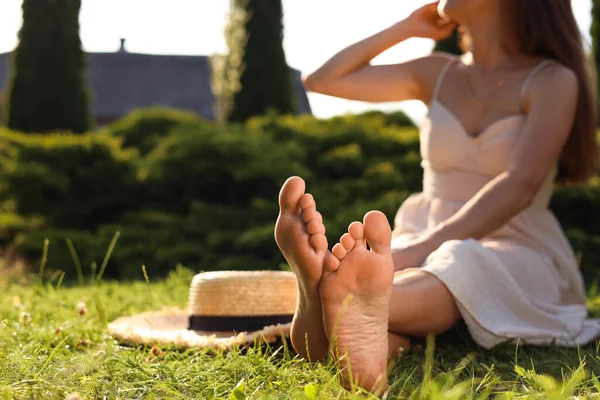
{"type": "Point", "coordinates": [421, 305]}
{"type": "Point", "coordinates": [300, 235]}
{"type": "Point", "coordinates": [397, 344]}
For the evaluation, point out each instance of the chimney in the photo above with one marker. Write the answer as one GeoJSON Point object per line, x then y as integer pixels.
{"type": "Point", "coordinates": [122, 49]}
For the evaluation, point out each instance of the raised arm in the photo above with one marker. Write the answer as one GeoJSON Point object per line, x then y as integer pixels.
{"type": "Point", "coordinates": [350, 75]}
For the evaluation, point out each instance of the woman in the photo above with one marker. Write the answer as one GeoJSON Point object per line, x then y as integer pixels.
{"type": "Point", "coordinates": [479, 244]}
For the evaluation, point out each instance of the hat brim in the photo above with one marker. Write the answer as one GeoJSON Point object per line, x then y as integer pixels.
{"type": "Point", "coordinates": [169, 328]}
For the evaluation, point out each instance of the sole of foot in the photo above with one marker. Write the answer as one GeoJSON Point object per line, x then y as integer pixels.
{"type": "Point", "coordinates": [355, 292]}
{"type": "Point", "coordinates": [300, 235]}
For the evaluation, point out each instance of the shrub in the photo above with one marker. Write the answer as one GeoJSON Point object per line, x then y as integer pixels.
{"type": "Point", "coordinates": [143, 128]}
{"type": "Point", "coordinates": [578, 207]}
{"type": "Point", "coordinates": [206, 195]}
{"type": "Point", "coordinates": [396, 118]}
{"type": "Point", "coordinates": [71, 181]}
{"type": "Point", "coordinates": [2, 113]}
{"type": "Point", "coordinates": [229, 166]}
{"type": "Point", "coordinates": [578, 210]}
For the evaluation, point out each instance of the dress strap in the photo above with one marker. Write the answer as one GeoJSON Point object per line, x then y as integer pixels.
{"type": "Point", "coordinates": [441, 78]}
{"type": "Point", "coordinates": [530, 78]}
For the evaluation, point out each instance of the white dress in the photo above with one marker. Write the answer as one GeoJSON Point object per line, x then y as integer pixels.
{"type": "Point", "coordinates": [520, 282]}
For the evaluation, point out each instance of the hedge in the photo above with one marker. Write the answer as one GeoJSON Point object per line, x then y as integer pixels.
{"type": "Point", "coordinates": [71, 181]}
{"type": "Point", "coordinates": [205, 195]}
{"type": "Point", "coordinates": [143, 128]}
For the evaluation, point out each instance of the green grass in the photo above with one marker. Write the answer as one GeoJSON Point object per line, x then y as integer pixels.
{"type": "Point", "coordinates": [49, 349]}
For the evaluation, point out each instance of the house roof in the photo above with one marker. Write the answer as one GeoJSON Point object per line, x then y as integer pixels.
{"type": "Point", "coordinates": [123, 81]}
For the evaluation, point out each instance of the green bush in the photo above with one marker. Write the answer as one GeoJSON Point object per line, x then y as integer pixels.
{"type": "Point", "coordinates": [578, 210]}
{"type": "Point", "coordinates": [70, 181]}
{"type": "Point", "coordinates": [2, 113]}
{"type": "Point", "coordinates": [229, 166]}
{"type": "Point", "coordinates": [143, 128]}
{"type": "Point", "coordinates": [396, 118]}
{"type": "Point", "coordinates": [206, 195]}
{"type": "Point", "coordinates": [578, 207]}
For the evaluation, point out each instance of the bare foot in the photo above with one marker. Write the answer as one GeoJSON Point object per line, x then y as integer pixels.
{"type": "Point", "coordinates": [355, 291]}
{"type": "Point", "coordinates": [300, 235]}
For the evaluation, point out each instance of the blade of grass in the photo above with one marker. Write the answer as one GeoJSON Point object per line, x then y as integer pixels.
{"type": "Point", "coordinates": [51, 356]}
{"type": "Point", "coordinates": [111, 247]}
{"type": "Point", "coordinates": [93, 273]}
{"type": "Point", "coordinates": [44, 260]}
{"type": "Point", "coordinates": [76, 261]}
{"type": "Point", "coordinates": [60, 280]}
{"type": "Point", "coordinates": [148, 284]}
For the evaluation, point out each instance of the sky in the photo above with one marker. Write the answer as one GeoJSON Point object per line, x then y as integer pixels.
{"type": "Point", "coordinates": [314, 31]}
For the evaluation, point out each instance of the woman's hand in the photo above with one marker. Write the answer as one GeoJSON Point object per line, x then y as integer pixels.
{"type": "Point", "coordinates": [427, 23]}
{"type": "Point", "coordinates": [414, 254]}
{"type": "Point", "coordinates": [350, 75]}
{"type": "Point", "coordinates": [411, 256]}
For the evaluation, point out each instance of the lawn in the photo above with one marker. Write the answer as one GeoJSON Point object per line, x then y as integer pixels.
{"type": "Point", "coordinates": [54, 344]}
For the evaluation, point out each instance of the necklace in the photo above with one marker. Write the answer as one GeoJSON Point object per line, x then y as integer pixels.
{"type": "Point", "coordinates": [484, 87]}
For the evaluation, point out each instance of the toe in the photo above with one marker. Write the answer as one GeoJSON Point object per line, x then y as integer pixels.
{"type": "Point", "coordinates": [311, 213]}
{"type": "Point", "coordinates": [307, 201]}
{"type": "Point", "coordinates": [339, 251]}
{"type": "Point", "coordinates": [318, 242]}
{"type": "Point", "coordinates": [290, 194]}
{"type": "Point", "coordinates": [315, 226]}
{"type": "Point", "coordinates": [347, 241]}
{"type": "Point", "coordinates": [378, 232]}
{"type": "Point", "coordinates": [357, 231]}
{"type": "Point", "coordinates": [331, 263]}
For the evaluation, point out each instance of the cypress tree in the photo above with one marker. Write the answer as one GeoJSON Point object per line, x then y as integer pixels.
{"type": "Point", "coordinates": [449, 45]}
{"type": "Point", "coordinates": [47, 89]}
{"type": "Point", "coordinates": [227, 69]}
{"type": "Point", "coordinates": [266, 80]}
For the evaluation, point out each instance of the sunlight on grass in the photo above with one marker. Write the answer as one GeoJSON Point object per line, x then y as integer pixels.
{"type": "Point", "coordinates": [54, 344]}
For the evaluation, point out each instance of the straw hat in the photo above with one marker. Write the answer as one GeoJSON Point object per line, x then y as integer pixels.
{"type": "Point", "coordinates": [225, 310]}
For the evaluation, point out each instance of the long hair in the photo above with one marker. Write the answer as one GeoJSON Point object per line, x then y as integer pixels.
{"type": "Point", "coordinates": [548, 29]}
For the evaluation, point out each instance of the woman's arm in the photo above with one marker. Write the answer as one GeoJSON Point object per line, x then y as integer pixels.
{"type": "Point", "coordinates": [349, 74]}
{"type": "Point", "coordinates": [535, 154]}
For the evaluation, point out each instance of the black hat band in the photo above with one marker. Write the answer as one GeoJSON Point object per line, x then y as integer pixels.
{"type": "Point", "coordinates": [235, 324]}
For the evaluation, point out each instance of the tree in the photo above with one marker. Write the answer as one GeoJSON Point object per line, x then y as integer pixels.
{"type": "Point", "coordinates": [227, 69]}
{"type": "Point", "coordinates": [47, 89]}
{"type": "Point", "coordinates": [265, 81]}
{"type": "Point", "coordinates": [450, 45]}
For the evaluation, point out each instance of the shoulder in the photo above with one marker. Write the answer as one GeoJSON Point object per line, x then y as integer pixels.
{"type": "Point", "coordinates": [436, 61]}
{"type": "Point", "coordinates": [554, 84]}
{"type": "Point", "coordinates": [432, 64]}
{"type": "Point", "coordinates": [440, 55]}
{"type": "Point", "coordinates": [555, 79]}
{"type": "Point", "coordinates": [427, 70]}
